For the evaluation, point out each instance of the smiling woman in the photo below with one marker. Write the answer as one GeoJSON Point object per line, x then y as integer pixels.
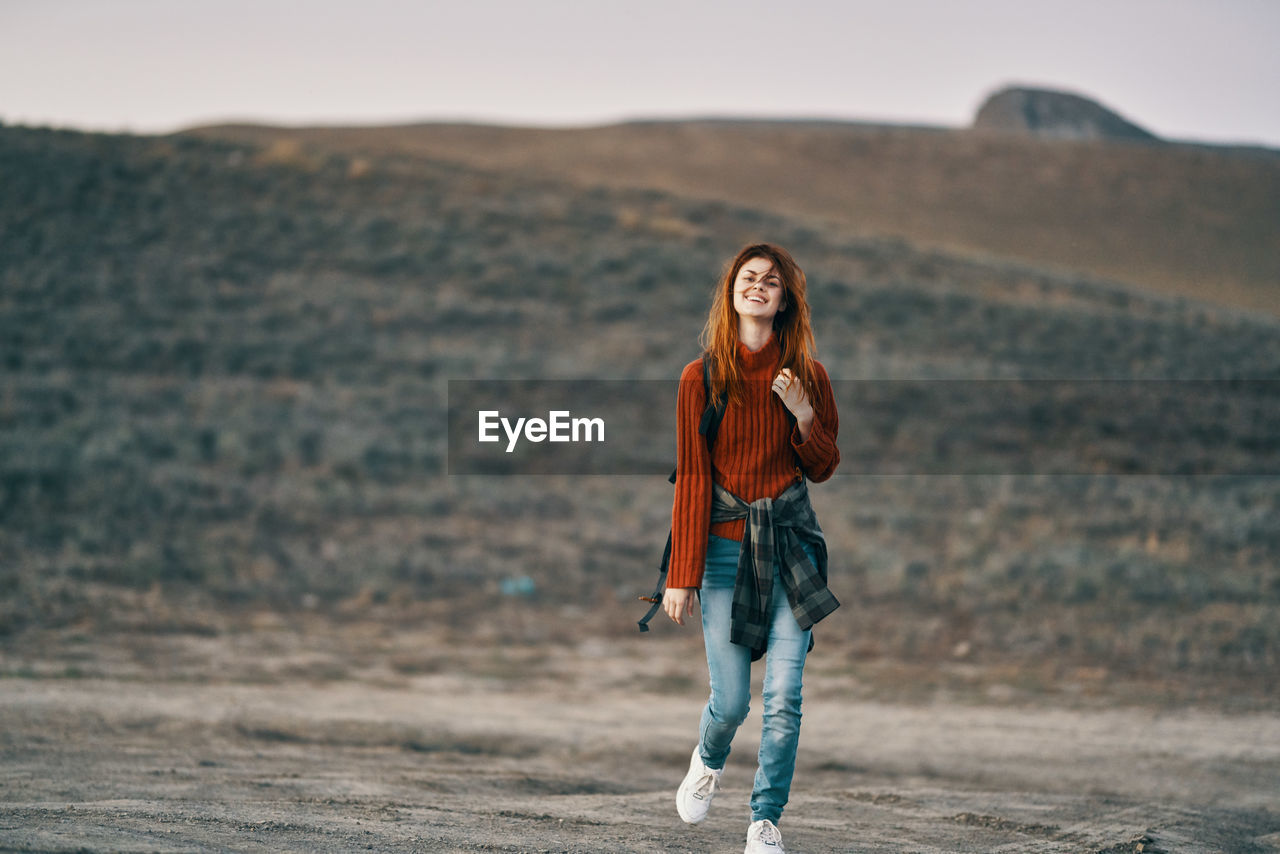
{"type": "Point", "coordinates": [745, 541]}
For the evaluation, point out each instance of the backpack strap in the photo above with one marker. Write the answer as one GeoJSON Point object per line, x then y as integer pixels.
{"type": "Point", "coordinates": [708, 426]}
{"type": "Point", "coordinates": [712, 413]}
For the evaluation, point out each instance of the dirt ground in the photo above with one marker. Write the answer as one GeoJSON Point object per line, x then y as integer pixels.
{"type": "Point", "coordinates": [325, 737]}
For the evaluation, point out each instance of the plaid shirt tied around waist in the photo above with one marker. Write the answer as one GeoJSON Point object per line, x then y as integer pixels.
{"type": "Point", "coordinates": [778, 526]}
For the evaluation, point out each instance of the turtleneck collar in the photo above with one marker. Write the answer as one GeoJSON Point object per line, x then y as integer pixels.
{"type": "Point", "coordinates": [765, 357]}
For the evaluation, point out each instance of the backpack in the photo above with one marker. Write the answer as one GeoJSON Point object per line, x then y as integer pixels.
{"type": "Point", "coordinates": [708, 426]}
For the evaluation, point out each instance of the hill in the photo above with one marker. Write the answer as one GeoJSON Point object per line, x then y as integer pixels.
{"type": "Point", "coordinates": [1190, 220]}
{"type": "Point", "coordinates": [226, 372]}
{"type": "Point", "coordinates": [1053, 114]}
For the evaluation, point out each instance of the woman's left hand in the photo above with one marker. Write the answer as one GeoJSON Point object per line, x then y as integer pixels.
{"type": "Point", "coordinates": [792, 395]}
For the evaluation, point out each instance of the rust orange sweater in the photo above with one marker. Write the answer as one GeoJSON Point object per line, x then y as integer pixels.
{"type": "Point", "coordinates": [755, 455]}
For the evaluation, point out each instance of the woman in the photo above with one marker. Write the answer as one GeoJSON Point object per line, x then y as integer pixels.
{"type": "Point", "coordinates": [744, 538]}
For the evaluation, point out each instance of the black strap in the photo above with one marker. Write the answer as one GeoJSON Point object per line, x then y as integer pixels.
{"type": "Point", "coordinates": [708, 426]}
{"type": "Point", "coordinates": [656, 598]}
{"type": "Point", "coordinates": [712, 413]}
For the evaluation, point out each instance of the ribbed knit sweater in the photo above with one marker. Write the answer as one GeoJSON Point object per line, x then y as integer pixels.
{"type": "Point", "coordinates": [755, 454]}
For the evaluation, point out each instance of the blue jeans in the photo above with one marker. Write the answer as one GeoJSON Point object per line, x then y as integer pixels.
{"type": "Point", "coordinates": [730, 670]}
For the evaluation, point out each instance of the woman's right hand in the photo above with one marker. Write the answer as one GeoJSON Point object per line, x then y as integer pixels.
{"type": "Point", "coordinates": [678, 602]}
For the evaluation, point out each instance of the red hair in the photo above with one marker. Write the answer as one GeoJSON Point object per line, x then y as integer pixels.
{"type": "Point", "coordinates": [790, 325]}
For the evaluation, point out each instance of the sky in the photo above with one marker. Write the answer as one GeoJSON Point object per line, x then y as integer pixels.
{"type": "Point", "coordinates": [1183, 69]}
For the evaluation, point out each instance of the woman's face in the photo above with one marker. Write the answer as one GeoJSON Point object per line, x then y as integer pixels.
{"type": "Point", "coordinates": [757, 290]}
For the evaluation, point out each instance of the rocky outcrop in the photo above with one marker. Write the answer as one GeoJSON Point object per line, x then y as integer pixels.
{"type": "Point", "coordinates": [1054, 114]}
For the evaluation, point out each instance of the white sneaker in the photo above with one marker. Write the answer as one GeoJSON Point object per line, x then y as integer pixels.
{"type": "Point", "coordinates": [693, 799]}
{"type": "Point", "coordinates": [763, 837]}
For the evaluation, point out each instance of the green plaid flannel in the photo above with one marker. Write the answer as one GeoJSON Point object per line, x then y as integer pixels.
{"type": "Point", "coordinates": [775, 526]}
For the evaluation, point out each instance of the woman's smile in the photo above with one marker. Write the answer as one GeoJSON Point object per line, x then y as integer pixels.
{"type": "Point", "coordinates": [757, 290]}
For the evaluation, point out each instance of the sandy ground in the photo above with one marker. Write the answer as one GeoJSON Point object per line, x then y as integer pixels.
{"type": "Point", "coordinates": [275, 740]}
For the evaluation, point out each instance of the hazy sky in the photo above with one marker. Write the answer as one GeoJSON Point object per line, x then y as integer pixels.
{"type": "Point", "coordinates": [1187, 69]}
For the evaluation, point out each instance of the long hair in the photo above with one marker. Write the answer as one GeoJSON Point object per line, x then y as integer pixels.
{"type": "Point", "coordinates": [791, 325]}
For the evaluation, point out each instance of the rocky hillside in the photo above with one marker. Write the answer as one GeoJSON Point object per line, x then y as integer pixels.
{"type": "Point", "coordinates": [1053, 114]}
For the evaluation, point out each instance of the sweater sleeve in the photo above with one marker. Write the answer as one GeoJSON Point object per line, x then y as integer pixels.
{"type": "Point", "coordinates": [819, 454]}
{"type": "Point", "coordinates": [691, 508]}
